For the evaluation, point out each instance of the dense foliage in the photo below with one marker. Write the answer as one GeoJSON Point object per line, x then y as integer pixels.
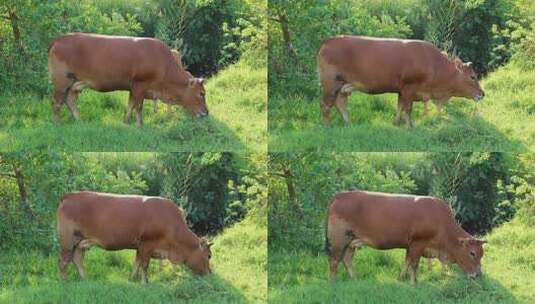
{"type": "Point", "coordinates": [209, 34]}
{"type": "Point", "coordinates": [214, 189]}
{"type": "Point", "coordinates": [483, 189]}
{"type": "Point", "coordinates": [486, 32]}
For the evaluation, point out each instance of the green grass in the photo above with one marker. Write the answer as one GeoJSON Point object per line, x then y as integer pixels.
{"type": "Point", "coordinates": [503, 121]}
{"type": "Point", "coordinates": [236, 98]}
{"type": "Point", "coordinates": [508, 267]}
{"type": "Point", "coordinates": [239, 266]}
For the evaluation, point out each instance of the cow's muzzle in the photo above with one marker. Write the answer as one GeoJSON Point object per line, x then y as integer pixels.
{"type": "Point", "coordinates": [479, 96]}
{"type": "Point", "coordinates": [202, 114]}
{"type": "Point", "coordinates": [474, 275]}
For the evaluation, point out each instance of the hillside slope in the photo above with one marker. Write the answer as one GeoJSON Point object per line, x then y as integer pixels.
{"type": "Point", "coordinates": [238, 263]}
{"type": "Point", "coordinates": [508, 267]}
{"type": "Point", "coordinates": [236, 98]}
{"type": "Point", "coordinates": [503, 121]}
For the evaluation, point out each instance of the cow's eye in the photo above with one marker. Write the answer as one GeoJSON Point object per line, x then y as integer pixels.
{"type": "Point", "coordinates": [473, 254]}
{"type": "Point", "coordinates": [474, 77]}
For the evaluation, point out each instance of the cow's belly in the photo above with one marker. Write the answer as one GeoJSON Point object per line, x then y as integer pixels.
{"type": "Point", "coordinates": [383, 240]}
{"type": "Point", "coordinates": [110, 86]}
{"type": "Point", "coordinates": [109, 243]}
{"type": "Point", "coordinates": [371, 87]}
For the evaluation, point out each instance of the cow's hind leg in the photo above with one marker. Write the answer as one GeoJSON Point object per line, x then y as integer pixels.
{"type": "Point", "coordinates": [72, 97]}
{"type": "Point", "coordinates": [65, 258]}
{"type": "Point", "coordinates": [354, 246]}
{"type": "Point", "coordinates": [78, 260]}
{"type": "Point", "coordinates": [339, 238]}
{"type": "Point", "coordinates": [331, 88]}
{"type": "Point", "coordinates": [59, 100]}
{"type": "Point", "coordinates": [341, 101]}
{"type": "Point", "coordinates": [68, 240]}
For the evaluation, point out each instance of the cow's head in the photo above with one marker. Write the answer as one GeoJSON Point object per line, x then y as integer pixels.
{"type": "Point", "coordinates": [469, 252]}
{"type": "Point", "coordinates": [467, 84]}
{"type": "Point", "coordinates": [199, 259]}
{"type": "Point", "coordinates": [191, 96]}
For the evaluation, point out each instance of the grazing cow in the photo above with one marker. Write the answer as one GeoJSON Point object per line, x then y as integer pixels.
{"type": "Point", "coordinates": [416, 70]}
{"type": "Point", "coordinates": [423, 225]}
{"type": "Point", "coordinates": [144, 66]}
{"type": "Point", "coordinates": [155, 227]}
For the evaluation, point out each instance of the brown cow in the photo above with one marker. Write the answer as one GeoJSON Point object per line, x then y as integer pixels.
{"type": "Point", "coordinates": [144, 66]}
{"type": "Point", "coordinates": [416, 70]}
{"type": "Point", "coordinates": [153, 226]}
{"type": "Point", "coordinates": [423, 225]}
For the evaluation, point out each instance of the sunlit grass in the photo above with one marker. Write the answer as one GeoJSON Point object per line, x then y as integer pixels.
{"type": "Point", "coordinates": [236, 99]}
{"type": "Point", "coordinates": [503, 121]}
{"type": "Point", "coordinates": [508, 266]}
{"type": "Point", "coordinates": [239, 264]}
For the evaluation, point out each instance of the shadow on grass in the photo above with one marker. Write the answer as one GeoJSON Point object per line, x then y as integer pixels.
{"type": "Point", "coordinates": [372, 129]}
{"type": "Point", "coordinates": [35, 280]}
{"type": "Point", "coordinates": [486, 290]}
{"type": "Point", "coordinates": [300, 277]}
{"type": "Point", "coordinates": [211, 289]}
{"type": "Point", "coordinates": [27, 124]}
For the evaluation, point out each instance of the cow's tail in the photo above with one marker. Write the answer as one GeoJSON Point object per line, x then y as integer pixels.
{"type": "Point", "coordinates": [326, 229]}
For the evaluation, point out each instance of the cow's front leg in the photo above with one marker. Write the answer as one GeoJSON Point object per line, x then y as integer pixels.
{"type": "Point", "coordinates": [139, 114]}
{"type": "Point", "coordinates": [134, 276]}
{"type": "Point", "coordinates": [145, 261]}
{"type": "Point", "coordinates": [412, 260]}
{"type": "Point", "coordinates": [128, 115]}
{"type": "Point", "coordinates": [398, 112]}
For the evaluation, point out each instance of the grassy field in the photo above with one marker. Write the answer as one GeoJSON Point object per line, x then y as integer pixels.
{"type": "Point", "coordinates": [503, 121]}
{"type": "Point", "coordinates": [508, 267]}
{"type": "Point", "coordinates": [238, 264]}
{"type": "Point", "coordinates": [236, 98]}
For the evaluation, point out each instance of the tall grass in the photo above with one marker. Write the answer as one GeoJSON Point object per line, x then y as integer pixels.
{"type": "Point", "coordinates": [238, 265]}
{"type": "Point", "coordinates": [503, 121]}
{"type": "Point", "coordinates": [508, 267]}
{"type": "Point", "coordinates": [236, 99]}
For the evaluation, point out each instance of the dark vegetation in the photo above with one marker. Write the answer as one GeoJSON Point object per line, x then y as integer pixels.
{"type": "Point", "coordinates": [209, 34]}
{"type": "Point", "coordinates": [214, 189]}
{"type": "Point", "coordinates": [484, 189]}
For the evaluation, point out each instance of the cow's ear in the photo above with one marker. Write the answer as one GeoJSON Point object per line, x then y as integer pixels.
{"type": "Point", "coordinates": [458, 63]}
{"type": "Point", "coordinates": [200, 80]}
{"type": "Point", "coordinates": [192, 82]}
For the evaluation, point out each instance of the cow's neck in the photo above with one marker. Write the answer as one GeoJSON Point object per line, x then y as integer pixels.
{"type": "Point", "coordinates": [189, 240]}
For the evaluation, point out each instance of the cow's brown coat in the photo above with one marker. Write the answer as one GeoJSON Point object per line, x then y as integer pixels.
{"type": "Point", "coordinates": [424, 225]}
{"type": "Point", "coordinates": [153, 226]}
{"type": "Point", "coordinates": [144, 66]}
{"type": "Point", "coordinates": [415, 69]}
